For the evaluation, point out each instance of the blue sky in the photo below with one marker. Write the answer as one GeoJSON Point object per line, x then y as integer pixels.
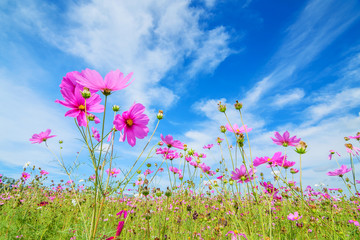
{"type": "Point", "coordinates": [295, 65]}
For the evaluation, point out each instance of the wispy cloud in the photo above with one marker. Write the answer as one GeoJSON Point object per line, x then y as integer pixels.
{"type": "Point", "coordinates": [291, 97]}
{"type": "Point", "coordinates": [149, 38]}
{"type": "Point", "coordinates": [316, 27]}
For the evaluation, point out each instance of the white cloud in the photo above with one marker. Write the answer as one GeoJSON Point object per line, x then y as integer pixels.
{"type": "Point", "coordinates": [149, 38]}
{"type": "Point", "coordinates": [293, 96]}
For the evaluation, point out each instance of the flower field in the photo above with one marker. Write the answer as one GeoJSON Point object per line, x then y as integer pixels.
{"type": "Point", "coordinates": [229, 200]}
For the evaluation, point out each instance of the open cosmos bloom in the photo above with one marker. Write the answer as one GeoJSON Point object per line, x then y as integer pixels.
{"type": "Point", "coordinates": [133, 122]}
{"type": "Point", "coordinates": [236, 129]}
{"type": "Point", "coordinates": [285, 139]}
{"type": "Point", "coordinates": [170, 142]}
{"type": "Point", "coordinates": [113, 172]}
{"type": "Point", "coordinates": [41, 137]}
{"type": "Point", "coordinates": [242, 175]}
{"type": "Point", "coordinates": [43, 172]}
{"type": "Point", "coordinates": [74, 100]}
{"type": "Point", "coordinates": [351, 149]}
{"type": "Point", "coordinates": [271, 161]}
{"type": "Point", "coordinates": [96, 134]}
{"type": "Point", "coordinates": [25, 175]}
{"type": "Point", "coordinates": [235, 235]}
{"type": "Point", "coordinates": [294, 217]}
{"type": "Point", "coordinates": [339, 172]}
{"type": "Point", "coordinates": [209, 146]}
{"type": "Point", "coordinates": [113, 81]}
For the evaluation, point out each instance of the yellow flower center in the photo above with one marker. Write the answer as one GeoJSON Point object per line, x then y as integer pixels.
{"type": "Point", "coordinates": [129, 122]}
{"type": "Point", "coordinates": [81, 107]}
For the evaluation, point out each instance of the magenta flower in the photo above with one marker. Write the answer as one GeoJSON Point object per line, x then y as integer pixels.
{"type": "Point", "coordinates": [339, 172]}
{"type": "Point", "coordinates": [41, 137]}
{"type": "Point", "coordinates": [351, 149]}
{"type": "Point", "coordinates": [285, 139]}
{"type": "Point", "coordinates": [25, 176]}
{"type": "Point", "coordinates": [294, 170]}
{"type": "Point", "coordinates": [209, 146]}
{"type": "Point", "coordinates": [242, 175]}
{"type": "Point", "coordinates": [133, 122]}
{"type": "Point", "coordinates": [355, 137]}
{"type": "Point", "coordinates": [284, 163]}
{"type": "Point", "coordinates": [75, 101]}
{"type": "Point", "coordinates": [188, 158]}
{"type": "Point", "coordinates": [204, 167]}
{"type": "Point", "coordinates": [175, 170]}
{"type": "Point", "coordinates": [235, 234]}
{"type": "Point", "coordinates": [170, 142]}
{"type": "Point", "coordinates": [236, 129]}
{"type": "Point", "coordinates": [332, 152]}
{"type": "Point", "coordinates": [120, 225]}
{"type": "Point", "coordinates": [294, 217]}
{"type": "Point", "coordinates": [356, 223]}
{"type": "Point", "coordinates": [113, 81]}
{"type": "Point", "coordinates": [113, 172]}
{"type": "Point", "coordinates": [147, 172]}
{"type": "Point", "coordinates": [43, 172]}
{"type": "Point", "coordinates": [96, 134]}
{"type": "Point", "coordinates": [271, 161]}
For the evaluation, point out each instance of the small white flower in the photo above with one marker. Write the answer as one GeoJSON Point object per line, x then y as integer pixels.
{"type": "Point", "coordinates": [73, 202]}
{"type": "Point", "coordinates": [27, 164]}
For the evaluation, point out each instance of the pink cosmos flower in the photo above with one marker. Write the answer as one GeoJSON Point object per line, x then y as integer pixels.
{"type": "Point", "coordinates": [235, 235]}
{"type": "Point", "coordinates": [271, 161]}
{"type": "Point", "coordinates": [147, 172]}
{"type": "Point", "coordinates": [194, 164]}
{"type": "Point", "coordinates": [294, 217]}
{"type": "Point", "coordinates": [269, 188]}
{"type": "Point", "coordinates": [69, 182]}
{"type": "Point", "coordinates": [175, 170]}
{"type": "Point", "coordinates": [242, 175]}
{"type": "Point", "coordinates": [188, 158]}
{"type": "Point", "coordinates": [114, 172]}
{"type": "Point", "coordinates": [75, 101]}
{"type": "Point", "coordinates": [41, 137]}
{"type": "Point", "coordinates": [339, 172]}
{"type": "Point", "coordinates": [284, 163]}
{"type": "Point", "coordinates": [139, 183]}
{"type": "Point", "coordinates": [172, 156]}
{"type": "Point", "coordinates": [219, 140]}
{"type": "Point", "coordinates": [236, 129]}
{"type": "Point", "coordinates": [209, 146]}
{"type": "Point", "coordinates": [1, 180]}
{"type": "Point", "coordinates": [96, 134]}
{"type": "Point", "coordinates": [204, 167]}
{"type": "Point", "coordinates": [133, 122]}
{"type": "Point", "coordinates": [355, 137]}
{"type": "Point", "coordinates": [285, 139]}
{"type": "Point", "coordinates": [170, 142]}
{"type": "Point", "coordinates": [113, 81]}
{"type": "Point", "coordinates": [120, 225]}
{"type": "Point", "coordinates": [356, 223]}
{"type": "Point", "coordinates": [294, 170]}
{"type": "Point", "coordinates": [332, 152]}
{"type": "Point", "coordinates": [25, 176]}
{"type": "Point", "coordinates": [43, 172]}
{"type": "Point", "coordinates": [351, 149]}
{"type": "Point", "coordinates": [164, 151]}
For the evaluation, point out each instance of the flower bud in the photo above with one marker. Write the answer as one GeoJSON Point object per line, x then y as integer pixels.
{"type": "Point", "coordinates": [91, 117]}
{"type": "Point", "coordinates": [238, 105]}
{"type": "Point", "coordinates": [222, 129]}
{"type": "Point", "coordinates": [191, 152]}
{"type": "Point", "coordinates": [231, 182]}
{"type": "Point", "coordinates": [148, 165]}
{"type": "Point", "coordinates": [116, 108]}
{"type": "Point", "coordinates": [221, 107]}
{"type": "Point", "coordinates": [160, 115]}
{"type": "Point", "coordinates": [168, 193]}
{"type": "Point", "coordinates": [61, 141]}
{"type": "Point", "coordinates": [301, 148]}
{"type": "Point", "coordinates": [346, 138]}
{"type": "Point", "coordinates": [86, 93]}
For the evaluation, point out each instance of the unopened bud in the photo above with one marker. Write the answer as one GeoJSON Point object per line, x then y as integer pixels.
{"type": "Point", "coordinates": [238, 105]}
{"type": "Point", "coordinates": [86, 93]}
{"type": "Point", "coordinates": [160, 115]}
{"type": "Point", "coordinates": [222, 129]}
{"type": "Point", "coordinates": [116, 108]}
{"type": "Point", "coordinates": [346, 138]}
{"type": "Point", "coordinates": [221, 107]}
{"type": "Point", "coordinates": [60, 141]}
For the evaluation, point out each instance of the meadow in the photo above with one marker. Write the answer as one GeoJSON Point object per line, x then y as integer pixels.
{"type": "Point", "coordinates": [231, 200]}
